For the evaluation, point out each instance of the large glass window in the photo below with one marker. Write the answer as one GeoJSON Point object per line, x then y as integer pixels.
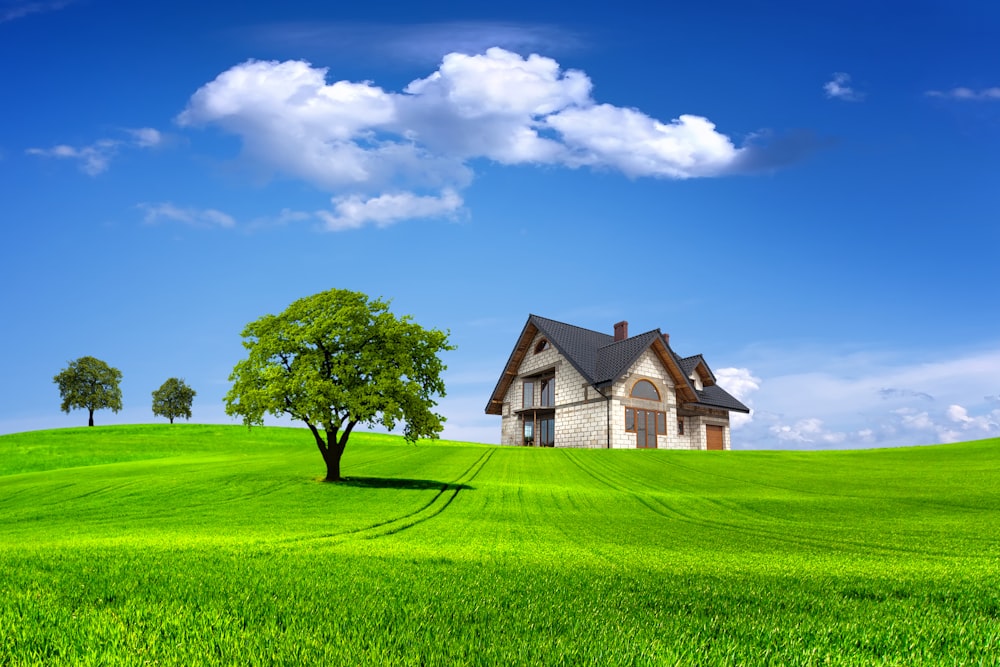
{"type": "Point", "coordinates": [529, 431]}
{"type": "Point", "coordinates": [547, 431]}
{"type": "Point", "coordinates": [529, 394]}
{"type": "Point", "coordinates": [547, 396]}
{"type": "Point", "coordinates": [645, 389]}
{"type": "Point", "coordinates": [646, 424]}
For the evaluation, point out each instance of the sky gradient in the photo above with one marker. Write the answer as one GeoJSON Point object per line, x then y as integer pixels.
{"type": "Point", "coordinates": [808, 197]}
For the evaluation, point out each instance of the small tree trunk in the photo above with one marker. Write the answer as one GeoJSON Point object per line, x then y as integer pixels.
{"type": "Point", "coordinates": [171, 420]}
{"type": "Point", "coordinates": [90, 422]}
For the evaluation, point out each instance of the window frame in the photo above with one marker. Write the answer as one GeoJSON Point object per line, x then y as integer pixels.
{"type": "Point", "coordinates": [547, 392]}
{"type": "Point", "coordinates": [659, 421]}
{"type": "Point", "coordinates": [640, 381]}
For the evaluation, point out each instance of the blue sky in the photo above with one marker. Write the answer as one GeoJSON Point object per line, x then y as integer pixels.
{"type": "Point", "coordinates": [808, 197]}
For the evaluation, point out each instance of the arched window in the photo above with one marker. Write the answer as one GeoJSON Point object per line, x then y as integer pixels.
{"type": "Point", "coordinates": [541, 346]}
{"type": "Point", "coordinates": [645, 389]}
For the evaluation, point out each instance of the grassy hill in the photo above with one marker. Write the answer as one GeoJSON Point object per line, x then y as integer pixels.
{"type": "Point", "coordinates": [216, 545]}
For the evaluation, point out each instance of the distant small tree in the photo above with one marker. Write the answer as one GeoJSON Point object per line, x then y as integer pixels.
{"type": "Point", "coordinates": [173, 399]}
{"type": "Point", "coordinates": [89, 384]}
{"type": "Point", "coordinates": [334, 360]}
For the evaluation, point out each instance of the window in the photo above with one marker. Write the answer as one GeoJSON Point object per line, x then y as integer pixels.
{"type": "Point", "coordinates": [547, 432]}
{"type": "Point", "coordinates": [645, 389]}
{"type": "Point", "coordinates": [542, 346]}
{"type": "Point", "coordinates": [542, 388]}
{"type": "Point", "coordinates": [680, 426]}
{"type": "Point", "coordinates": [646, 424]}
{"type": "Point", "coordinates": [543, 426]}
{"type": "Point", "coordinates": [547, 396]}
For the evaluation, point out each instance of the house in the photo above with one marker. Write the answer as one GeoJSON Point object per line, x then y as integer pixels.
{"type": "Point", "coordinates": [565, 386]}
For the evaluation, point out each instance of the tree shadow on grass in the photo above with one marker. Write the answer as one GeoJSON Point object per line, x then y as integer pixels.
{"type": "Point", "coordinates": [398, 483]}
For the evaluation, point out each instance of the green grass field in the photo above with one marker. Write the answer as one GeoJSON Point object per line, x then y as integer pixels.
{"type": "Point", "coordinates": [190, 545]}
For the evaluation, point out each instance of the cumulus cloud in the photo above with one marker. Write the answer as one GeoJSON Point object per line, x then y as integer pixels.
{"type": "Point", "coordinates": [354, 211]}
{"type": "Point", "coordinates": [962, 93]}
{"type": "Point", "coordinates": [194, 217]}
{"type": "Point", "coordinates": [858, 399]}
{"type": "Point", "coordinates": [839, 88]}
{"type": "Point", "coordinates": [741, 383]}
{"type": "Point", "coordinates": [808, 431]}
{"type": "Point", "coordinates": [383, 153]}
{"type": "Point", "coordinates": [95, 158]}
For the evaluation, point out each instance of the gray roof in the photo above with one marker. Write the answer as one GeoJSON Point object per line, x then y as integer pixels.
{"type": "Point", "coordinates": [715, 396]}
{"type": "Point", "coordinates": [601, 360]}
{"type": "Point", "coordinates": [580, 346]}
{"type": "Point", "coordinates": [614, 359]}
{"type": "Point", "coordinates": [688, 364]}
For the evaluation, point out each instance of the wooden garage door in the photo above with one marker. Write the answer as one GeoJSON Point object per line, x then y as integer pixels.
{"type": "Point", "coordinates": [713, 434]}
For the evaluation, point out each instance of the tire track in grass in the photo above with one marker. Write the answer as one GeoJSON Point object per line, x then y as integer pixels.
{"type": "Point", "coordinates": [435, 506]}
{"type": "Point", "coordinates": [573, 534]}
{"type": "Point", "coordinates": [661, 508]}
{"type": "Point", "coordinates": [778, 533]}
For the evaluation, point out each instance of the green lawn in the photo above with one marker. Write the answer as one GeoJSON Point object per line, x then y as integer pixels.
{"type": "Point", "coordinates": [191, 544]}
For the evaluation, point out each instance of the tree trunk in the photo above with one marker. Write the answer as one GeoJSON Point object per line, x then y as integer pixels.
{"type": "Point", "coordinates": [332, 467]}
{"type": "Point", "coordinates": [90, 422]}
{"type": "Point", "coordinates": [171, 420]}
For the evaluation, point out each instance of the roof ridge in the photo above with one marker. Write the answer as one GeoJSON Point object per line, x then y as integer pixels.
{"type": "Point", "coordinates": [566, 324]}
{"type": "Point", "coordinates": [630, 338]}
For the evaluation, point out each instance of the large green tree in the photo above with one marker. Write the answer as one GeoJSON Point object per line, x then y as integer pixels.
{"type": "Point", "coordinates": [335, 360]}
{"type": "Point", "coordinates": [173, 399]}
{"type": "Point", "coordinates": [89, 384]}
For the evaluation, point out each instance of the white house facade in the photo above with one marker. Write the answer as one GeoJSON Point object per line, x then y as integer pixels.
{"type": "Point", "coordinates": [565, 386]}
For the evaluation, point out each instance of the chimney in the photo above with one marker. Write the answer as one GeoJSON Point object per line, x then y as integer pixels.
{"type": "Point", "coordinates": [666, 339]}
{"type": "Point", "coordinates": [621, 331]}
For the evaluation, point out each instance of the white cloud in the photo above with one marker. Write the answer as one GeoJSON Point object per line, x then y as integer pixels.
{"type": "Point", "coordinates": [808, 432]}
{"type": "Point", "coordinates": [96, 157]}
{"type": "Point", "coordinates": [986, 424]}
{"type": "Point", "coordinates": [962, 93]}
{"type": "Point", "coordinates": [146, 137]}
{"type": "Point", "coordinates": [637, 145]}
{"type": "Point", "coordinates": [354, 211]}
{"type": "Point", "coordinates": [741, 383]}
{"type": "Point", "coordinates": [839, 88]}
{"type": "Point", "coordinates": [382, 152]}
{"type": "Point", "coordinates": [207, 217]}
{"type": "Point", "coordinates": [843, 400]}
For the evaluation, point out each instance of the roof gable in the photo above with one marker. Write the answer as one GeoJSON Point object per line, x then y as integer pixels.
{"type": "Point", "coordinates": [697, 364]}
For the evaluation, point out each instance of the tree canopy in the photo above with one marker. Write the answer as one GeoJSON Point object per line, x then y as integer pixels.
{"type": "Point", "coordinates": [173, 399]}
{"type": "Point", "coordinates": [89, 384]}
{"type": "Point", "coordinates": [335, 360]}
